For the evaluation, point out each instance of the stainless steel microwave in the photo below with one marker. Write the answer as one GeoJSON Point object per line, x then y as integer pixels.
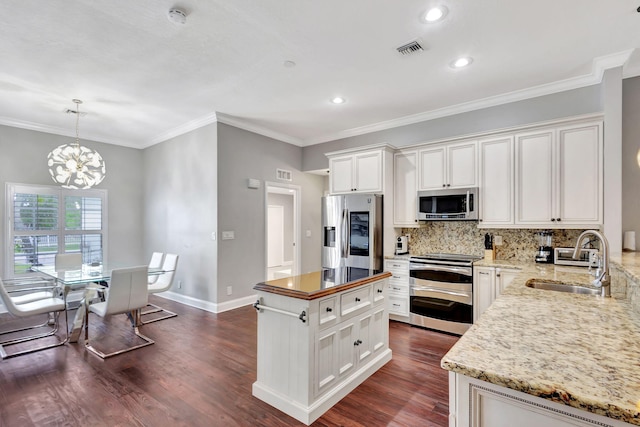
{"type": "Point", "coordinates": [449, 204]}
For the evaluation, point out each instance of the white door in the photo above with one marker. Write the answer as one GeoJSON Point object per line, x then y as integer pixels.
{"type": "Point", "coordinates": [282, 230]}
{"type": "Point", "coordinates": [580, 175]}
{"type": "Point", "coordinates": [275, 236]}
{"type": "Point", "coordinates": [462, 165]}
{"type": "Point", "coordinates": [432, 173]}
{"type": "Point", "coordinates": [535, 178]}
{"type": "Point", "coordinates": [496, 181]}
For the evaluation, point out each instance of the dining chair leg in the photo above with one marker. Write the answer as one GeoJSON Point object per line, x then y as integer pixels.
{"type": "Point", "coordinates": [5, 355]}
{"type": "Point", "coordinates": [156, 309]}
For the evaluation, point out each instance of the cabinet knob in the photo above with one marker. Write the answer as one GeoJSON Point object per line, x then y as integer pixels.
{"type": "Point", "coordinates": [359, 342]}
{"type": "Point", "coordinates": [329, 309]}
{"type": "Point", "coordinates": [444, 185]}
{"type": "Point", "coordinates": [553, 220]}
{"type": "Point", "coordinates": [357, 299]}
{"type": "Point", "coordinates": [480, 220]}
{"type": "Point", "coordinates": [379, 291]}
{"type": "Point", "coordinates": [448, 185]}
{"type": "Point", "coordinates": [559, 220]}
{"type": "Point", "coordinates": [356, 343]}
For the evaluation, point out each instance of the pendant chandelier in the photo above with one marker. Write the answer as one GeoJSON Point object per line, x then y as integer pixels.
{"type": "Point", "coordinates": [76, 166]}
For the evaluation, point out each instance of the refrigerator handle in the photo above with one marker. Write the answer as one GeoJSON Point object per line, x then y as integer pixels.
{"type": "Point", "coordinates": [345, 233]}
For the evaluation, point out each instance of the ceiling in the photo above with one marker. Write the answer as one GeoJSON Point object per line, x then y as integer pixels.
{"type": "Point", "coordinates": [144, 79]}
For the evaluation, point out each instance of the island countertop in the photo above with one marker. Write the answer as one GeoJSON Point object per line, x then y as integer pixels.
{"type": "Point", "coordinates": [321, 283]}
{"type": "Point", "coordinates": [579, 350]}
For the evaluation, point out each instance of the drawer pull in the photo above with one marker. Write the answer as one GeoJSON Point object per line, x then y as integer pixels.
{"type": "Point", "coordinates": [329, 309]}
{"type": "Point", "coordinates": [396, 305]}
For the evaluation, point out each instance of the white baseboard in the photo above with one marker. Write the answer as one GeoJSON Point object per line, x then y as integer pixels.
{"type": "Point", "coordinates": [197, 303]}
{"type": "Point", "coordinates": [207, 305]}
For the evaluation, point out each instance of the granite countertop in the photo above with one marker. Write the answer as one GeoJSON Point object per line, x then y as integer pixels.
{"type": "Point", "coordinates": [321, 283]}
{"type": "Point", "coordinates": [580, 350]}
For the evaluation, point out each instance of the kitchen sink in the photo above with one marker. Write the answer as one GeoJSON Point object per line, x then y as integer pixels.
{"type": "Point", "coordinates": [551, 285]}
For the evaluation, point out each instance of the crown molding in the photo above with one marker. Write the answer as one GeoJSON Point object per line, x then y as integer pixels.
{"type": "Point", "coordinates": [251, 127]}
{"type": "Point", "coordinates": [600, 65]}
{"type": "Point", "coordinates": [23, 124]}
{"type": "Point", "coordinates": [182, 129]}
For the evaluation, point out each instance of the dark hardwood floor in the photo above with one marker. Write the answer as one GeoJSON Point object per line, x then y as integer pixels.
{"type": "Point", "coordinates": [199, 373]}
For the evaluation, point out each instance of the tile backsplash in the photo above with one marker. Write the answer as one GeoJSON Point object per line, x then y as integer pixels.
{"type": "Point", "coordinates": [464, 237]}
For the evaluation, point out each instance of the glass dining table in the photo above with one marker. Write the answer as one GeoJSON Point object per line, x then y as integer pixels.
{"type": "Point", "coordinates": [80, 279]}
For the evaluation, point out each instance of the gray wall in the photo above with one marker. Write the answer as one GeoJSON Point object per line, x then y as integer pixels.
{"type": "Point", "coordinates": [564, 104]}
{"type": "Point", "coordinates": [243, 155]}
{"type": "Point", "coordinates": [630, 153]}
{"type": "Point", "coordinates": [180, 189]}
{"type": "Point", "coordinates": [24, 160]}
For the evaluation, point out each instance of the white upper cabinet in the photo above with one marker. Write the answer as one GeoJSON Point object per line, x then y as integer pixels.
{"type": "Point", "coordinates": [496, 181]}
{"type": "Point", "coordinates": [405, 182]}
{"type": "Point", "coordinates": [361, 172]}
{"type": "Point", "coordinates": [559, 175]}
{"type": "Point", "coordinates": [535, 177]}
{"type": "Point", "coordinates": [580, 180]}
{"type": "Point", "coordinates": [448, 166]}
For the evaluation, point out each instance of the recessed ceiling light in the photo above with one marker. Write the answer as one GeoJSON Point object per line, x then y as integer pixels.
{"type": "Point", "coordinates": [435, 14]}
{"type": "Point", "coordinates": [461, 62]}
{"type": "Point", "coordinates": [338, 100]}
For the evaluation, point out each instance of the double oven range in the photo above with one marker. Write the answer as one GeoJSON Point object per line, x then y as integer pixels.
{"type": "Point", "coordinates": [441, 292]}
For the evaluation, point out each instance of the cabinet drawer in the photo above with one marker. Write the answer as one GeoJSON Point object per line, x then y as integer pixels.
{"type": "Point", "coordinates": [397, 266]}
{"type": "Point", "coordinates": [399, 278]}
{"type": "Point", "coordinates": [400, 290]}
{"type": "Point", "coordinates": [328, 312]}
{"type": "Point", "coordinates": [378, 292]}
{"type": "Point", "coordinates": [398, 305]}
{"type": "Point", "coordinates": [353, 301]}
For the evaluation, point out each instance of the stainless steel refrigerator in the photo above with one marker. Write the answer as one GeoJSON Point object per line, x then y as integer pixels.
{"type": "Point", "coordinates": [352, 231]}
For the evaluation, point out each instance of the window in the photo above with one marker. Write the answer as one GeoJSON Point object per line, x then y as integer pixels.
{"type": "Point", "coordinates": [45, 220]}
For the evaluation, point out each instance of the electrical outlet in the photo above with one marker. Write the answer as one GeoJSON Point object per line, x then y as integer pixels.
{"type": "Point", "coordinates": [497, 240]}
{"type": "Point", "coordinates": [229, 290]}
{"type": "Point", "coordinates": [179, 284]}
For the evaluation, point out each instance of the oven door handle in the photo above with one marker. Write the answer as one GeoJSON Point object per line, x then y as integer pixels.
{"type": "Point", "coordinates": [431, 267]}
{"type": "Point", "coordinates": [441, 291]}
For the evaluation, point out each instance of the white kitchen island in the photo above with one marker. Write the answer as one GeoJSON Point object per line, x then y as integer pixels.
{"type": "Point", "coordinates": [320, 335]}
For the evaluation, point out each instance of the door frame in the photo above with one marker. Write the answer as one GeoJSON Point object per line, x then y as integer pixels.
{"type": "Point", "coordinates": [295, 191]}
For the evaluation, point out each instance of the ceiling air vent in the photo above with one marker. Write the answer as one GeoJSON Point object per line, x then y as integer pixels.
{"type": "Point", "coordinates": [409, 48]}
{"type": "Point", "coordinates": [283, 175]}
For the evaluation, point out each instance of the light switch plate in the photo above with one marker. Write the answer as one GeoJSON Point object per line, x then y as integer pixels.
{"type": "Point", "coordinates": [228, 235]}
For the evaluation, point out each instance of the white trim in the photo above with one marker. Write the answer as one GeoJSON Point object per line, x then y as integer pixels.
{"type": "Point", "coordinates": [211, 307]}
{"type": "Point", "coordinates": [600, 65]}
{"type": "Point", "coordinates": [281, 188]}
{"type": "Point", "coordinates": [261, 130]}
{"type": "Point", "coordinates": [182, 129]}
{"type": "Point", "coordinates": [87, 136]}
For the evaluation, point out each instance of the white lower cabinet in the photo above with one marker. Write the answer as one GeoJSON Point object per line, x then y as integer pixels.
{"type": "Point", "coordinates": [488, 284]}
{"type": "Point", "coordinates": [475, 403]}
{"type": "Point", "coordinates": [304, 368]}
{"type": "Point", "coordinates": [398, 286]}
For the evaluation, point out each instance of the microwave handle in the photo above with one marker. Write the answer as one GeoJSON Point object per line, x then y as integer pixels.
{"type": "Point", "coordinates": [468, 196]}
{"type": "Point", "coordinates": [345, 233]}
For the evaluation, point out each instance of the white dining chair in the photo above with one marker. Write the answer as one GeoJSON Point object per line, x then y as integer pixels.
{"type": "Point", "coordinates": [155, 262]}
{"type": "Point", "coordinates": [128, 294]}
{"type": "Point", "coordinates": [162, 284]}
{"type": "Point", "coordinates": [53, 304]}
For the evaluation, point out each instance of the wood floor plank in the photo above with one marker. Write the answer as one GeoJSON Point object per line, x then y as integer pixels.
{"type": "Point", "coordinates": [199, 373]}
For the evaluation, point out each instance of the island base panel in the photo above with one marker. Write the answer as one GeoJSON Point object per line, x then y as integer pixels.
{"type": "Point", "coordinates": [308, 414]}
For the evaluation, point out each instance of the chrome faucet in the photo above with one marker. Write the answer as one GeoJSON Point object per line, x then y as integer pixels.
{"type": "Point", "coordinates": [603, 280]}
